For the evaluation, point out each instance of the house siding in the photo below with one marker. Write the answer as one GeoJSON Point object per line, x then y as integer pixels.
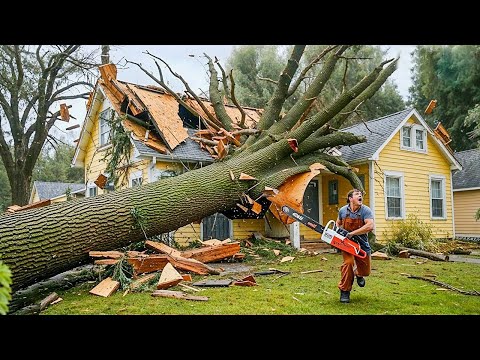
{"type": "Point", "coordinates": [466, 202]}
{"type": "Point", "coordinates": [416, 168]}
{"type": "Point", "coordinates": [244, 228]}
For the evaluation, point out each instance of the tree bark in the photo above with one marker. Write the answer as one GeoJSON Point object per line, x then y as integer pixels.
{"type": "Point", "coordinates": [425, 254]}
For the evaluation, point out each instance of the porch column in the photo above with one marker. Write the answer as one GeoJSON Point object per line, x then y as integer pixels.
{"type": "Point", "coordinates": [295, 234]}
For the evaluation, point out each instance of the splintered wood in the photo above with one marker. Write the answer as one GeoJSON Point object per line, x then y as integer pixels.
{"type": "Point", "coordinates": [169, 277]}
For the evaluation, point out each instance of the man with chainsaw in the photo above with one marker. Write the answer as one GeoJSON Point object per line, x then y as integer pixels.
{"type": "Point", "coordinates": [357, 219]}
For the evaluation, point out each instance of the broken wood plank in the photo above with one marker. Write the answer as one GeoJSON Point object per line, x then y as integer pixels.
{"type": "Point", "coordinates": [212, 242]}
{"type": "Point", "coordinates": [106, 262]}
{"type": "Point", "coordinates": [37, 204]}
{"type": "Point", "coordinates": [149, 263]}
{"type": "Point", "coordinates": [248, 280]}
{"type": "Point", "coordinates": [380, 256]}
{"type": "Point", "coordinates": [106, 254]}
{"type": "Point", "coordinates": [213, 283]}
{"type": "Point", "coordinates": [101, 181]}
{"type": "Point", "coordinates": [231, 175]}
{"type": "Point", "coordinates": [213, 253]}
{"type": "Point", "coordinates": [161, 248]}
{"type": "Point", "coordinates": [188, 287]}
{"type": "Point", "coordinates": [256, 208]}
{"type": "Point", "coordinates": [187, 277]}
{"type": "Point", "coordinates": [106, 287]}
{"type": "Point", "coordinates": [244, 208]}
{"type": "Point", "coordinates": [178, 295]}
{"type": "Point", "coordinates": [287, 258]}
{"type": "Point", "coordinates": [192, 265]}
{"type": "Point", "coordinates": [169, 277]}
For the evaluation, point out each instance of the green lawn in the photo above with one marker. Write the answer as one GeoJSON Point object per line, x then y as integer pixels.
{"type": "Point", "coordinates": [388, 291]}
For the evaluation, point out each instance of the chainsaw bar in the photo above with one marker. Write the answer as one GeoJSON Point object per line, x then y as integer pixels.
{"type": "Point", "coordinates": [334, 236]}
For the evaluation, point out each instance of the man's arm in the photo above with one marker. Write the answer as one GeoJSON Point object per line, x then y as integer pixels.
{"type": "Point", "coordinates": [369, 226]}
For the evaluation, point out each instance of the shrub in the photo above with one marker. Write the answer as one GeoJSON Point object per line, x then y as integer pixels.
{"type": "Point", "coordinates": [411, 232]}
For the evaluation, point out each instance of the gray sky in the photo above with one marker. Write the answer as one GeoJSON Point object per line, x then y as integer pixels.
{"type": "Point", "coordinates": [193, 70]}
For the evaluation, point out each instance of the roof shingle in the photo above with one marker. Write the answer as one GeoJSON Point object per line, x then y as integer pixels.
{"type": "Point", "coordinates": [469, 176]}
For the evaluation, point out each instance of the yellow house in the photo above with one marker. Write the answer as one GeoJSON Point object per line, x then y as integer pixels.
{"type": "Point", "coordinates": [55, 191]}
{"type": "Point", "coordinates": [406, 169]}
{"type": "Point", "coordinates": [466, 195]}
{"type": "Point", "coordinates": [159, 145]}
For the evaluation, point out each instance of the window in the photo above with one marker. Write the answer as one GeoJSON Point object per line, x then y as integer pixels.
{"type": "Point", "coordinates": [105, 130]}
{"type": "Point", "coordinates": [333, 192]}
{"type": "Point", "coordinates": [416, 132]}
{"type": "Point", "coordinates": [136, 179]}
{"type": "Point", "coordinates": [394, 201]}
{"type": "Point", "coordinates": [92, 190]}
{"type": "Point", "coordinates": [437, 197]}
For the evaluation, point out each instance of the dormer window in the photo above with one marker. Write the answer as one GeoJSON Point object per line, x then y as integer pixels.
{"type": "Point", "coordinates": [105, 129]}
{"type": "Point", "coordinates": [413, 138]}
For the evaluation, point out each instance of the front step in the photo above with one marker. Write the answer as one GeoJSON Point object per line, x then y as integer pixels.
{"type": "Point", "coordinates": [317, 246]}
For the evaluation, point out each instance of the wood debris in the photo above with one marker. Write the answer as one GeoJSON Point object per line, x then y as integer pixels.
{"type": "Point", "coordinates": [213, 283]}
{"type": "Point", "coordinates": [169, 277]}
{"type": "Point", "coordinates": [377, 255]}
{"type": "Point", "coordinates": [161, 248]}
{"type": "Point", "coordinates": [287, 258]}
{"type": "Point", "coordinates": [311, 271]}
{"type": "Point", "coordinates": [106, 287]}
{"type": "Point", "coordinates": [246, 281]}
{"type": "Point", "coordinates": [244, 176]}
{"type": "Point", "coordinates": [106, 254]}
{"type": "Point", "coordinates": [178, 295]}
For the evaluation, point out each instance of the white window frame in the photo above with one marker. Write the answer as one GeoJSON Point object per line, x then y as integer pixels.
{"type": "Point", "coordinates": [413, 138]}
{"type": "Point", "coordinates": [135, 176]}
{"type": "Point", "coordinates": [442, 179]}
{"type": "Point", "coordinates": [399, 175]}
{"type": "Point", "coordinates": [91, 186]}
{"type": "Point", "coordinates": [109, 131]}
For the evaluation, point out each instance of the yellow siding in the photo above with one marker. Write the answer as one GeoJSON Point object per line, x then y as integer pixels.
{"type": "Point", "coordinates": [416, 168]}
{"type": "Point", "coordinates": [186, 234]}
{"type": "Point", "coordinates": [35, 196]}
{"type": "Point", "coordinates": [244, 228]}
{"type": "Point", "coordinates": [330, 212]}
{"type": "Point", "coordinates": [466, 204]}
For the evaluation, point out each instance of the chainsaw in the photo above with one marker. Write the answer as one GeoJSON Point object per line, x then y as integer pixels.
{"type": "Point", "coordinates": [331, 233]}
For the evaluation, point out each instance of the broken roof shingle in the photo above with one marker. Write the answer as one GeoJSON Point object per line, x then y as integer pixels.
{"type": "Point", "coordinates": [469, 176]}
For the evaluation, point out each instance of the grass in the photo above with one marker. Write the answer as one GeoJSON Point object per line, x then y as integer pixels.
{"type": "Point", "coordinates": [388, 291]}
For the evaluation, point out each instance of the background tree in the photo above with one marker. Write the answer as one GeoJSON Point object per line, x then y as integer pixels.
{"type": "Point", "coordinates": [256, 67]}
{"type": "Point", "coordinates": [5, 193]}
{"type": "Point", "coordinates": [55, 165]}
{"type": "Point", "coordinates": [450, 75]}
{"type": "Point", "coordinates": [34, 80]}
{"type": "Point", "coordinates": [42, 242]}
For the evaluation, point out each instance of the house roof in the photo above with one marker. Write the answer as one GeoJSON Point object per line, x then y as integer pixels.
{"type": "Point", "coordinates": [469, 176]}
{"type": "Point", "coordinates": [377, 132]}
{"type": "Point", "coordinates": [169, 139]}
{"type": "Point", "coordinates": [51, 190]}
{"type": "Point", "coordinates": [380, 131]}
{"type": "Point", "coordinates": [188, 151]}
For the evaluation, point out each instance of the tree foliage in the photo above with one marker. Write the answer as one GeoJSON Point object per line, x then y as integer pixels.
{"type": "Point", "coordinates": [257, 67]}
{"type": "Point", "coordinates": [450, 75]}
{"type": "Point", "coordinates": [56, 165]}
{"type": "Point", "coordinates": [34, 81]}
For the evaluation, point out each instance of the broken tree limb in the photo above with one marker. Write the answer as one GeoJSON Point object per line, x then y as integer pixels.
{"type": "Point", "coordinates": [35, 309]}
{"type": "Point", "coordinates": [425, 254]}
{"type": "Point", "coordinates": [213, 253]}
{"type": "Point", "coordinates": [62, 281]}
{"type": "Point", "coordinates": [446, 286]}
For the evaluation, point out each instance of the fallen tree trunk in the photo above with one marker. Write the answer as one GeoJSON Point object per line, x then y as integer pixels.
{"type": "Point", "coordinates": [63, 281]}
{"type": "Point", "coordinates": [425, 254]}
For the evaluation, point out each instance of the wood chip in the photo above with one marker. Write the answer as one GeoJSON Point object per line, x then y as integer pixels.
{"type": "Point", "coordinates": [244, 176]}
{"type": "Point", "coordinates": [106, 287]}
{"type": "Point", "coordinates": [287, 258]}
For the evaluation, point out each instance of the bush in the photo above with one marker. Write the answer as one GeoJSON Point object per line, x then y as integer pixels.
{"type": "Point", "coordinates": [412, 233]}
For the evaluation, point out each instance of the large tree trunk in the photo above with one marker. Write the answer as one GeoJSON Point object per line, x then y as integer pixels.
{"type": "Point", "coordinates": [20, 185]}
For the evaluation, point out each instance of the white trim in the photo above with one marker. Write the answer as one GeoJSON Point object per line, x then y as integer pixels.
{"type": "Point", "coordinates": [467, 189]}
{"type": "Point", "coordinates": [109, 142]}
{"type": "Point", "coordinates": [444, 195]}
{"type": "Point", "coordinates": [371, 188]}
{"type": "Point", "coordinates": [320, 199]}
{"type": "Point", "coordinates": [455, 165]}
{"type": "Point", "coordinates": [90, 185]}
{"type": "Point", "coordinates": [295, 234]}
{"type": "Point", "coordinates": [402, 193]}
{"type": "Point", "coordinates": [413, 138]}
{"type": "Point", "coordinates": [453, 207]}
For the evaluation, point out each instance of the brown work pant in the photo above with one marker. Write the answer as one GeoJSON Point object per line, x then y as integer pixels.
{"type": "Point", "coordinates": [352, 266]}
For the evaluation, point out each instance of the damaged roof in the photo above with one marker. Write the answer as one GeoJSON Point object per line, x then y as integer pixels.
{"type": "Point", "coordinates": [153, 119]}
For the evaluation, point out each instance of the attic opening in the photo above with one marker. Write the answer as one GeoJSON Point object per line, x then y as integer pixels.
{"type": "Point", "coordinates": [189, 120]}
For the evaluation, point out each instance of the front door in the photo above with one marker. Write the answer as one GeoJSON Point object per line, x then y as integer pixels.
{"type": "Point", "coordinates": [216, 226]}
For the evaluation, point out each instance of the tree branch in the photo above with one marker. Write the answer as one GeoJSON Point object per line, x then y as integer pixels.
{"type": "Point", "coordinates": [65, 88]}
{"type": "Point", "coordinates": [234, 100]}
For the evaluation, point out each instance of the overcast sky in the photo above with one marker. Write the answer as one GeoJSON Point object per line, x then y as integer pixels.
{"type": "Point", "coordinates": [193, 70]}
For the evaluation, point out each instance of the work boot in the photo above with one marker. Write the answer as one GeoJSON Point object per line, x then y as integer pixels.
{"type": "Point", "coordinates": [361, 281]}
{"type": "Point", "coordinates": [344, 296]}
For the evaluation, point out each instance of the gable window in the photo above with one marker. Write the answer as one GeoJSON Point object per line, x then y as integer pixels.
{"type": "Point", "coordinates": [413, 138]}
{"type": "Point", "coordinates": [91, 190]}
{"type": "Point", "coordinates": [394, 195]}
{"type": "Point", "coordinates": [437, 197]}
{"type": "Point", "coordinates": [105, 129]}
{"type": "Point", "coordinates": [333, 192]}
{"type": "Point", "coordinates": [136, 179]}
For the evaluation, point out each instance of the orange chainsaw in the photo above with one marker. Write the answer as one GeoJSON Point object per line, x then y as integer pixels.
{"type": "Point", "coordinates": [331, 234]}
